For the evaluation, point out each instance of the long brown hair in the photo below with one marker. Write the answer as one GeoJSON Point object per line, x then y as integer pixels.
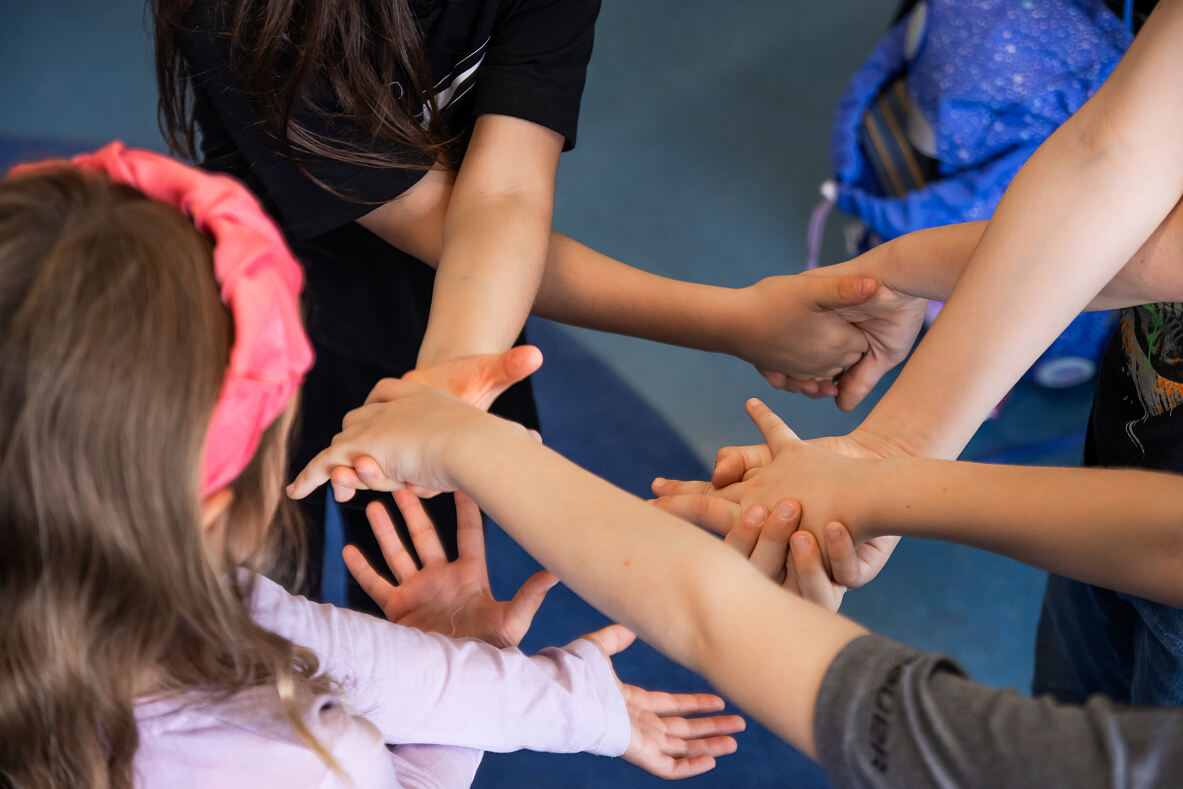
{"type": "Point", "coordinates": [113, 344]}
{"type": "Point", "coordinates": [354, 64]}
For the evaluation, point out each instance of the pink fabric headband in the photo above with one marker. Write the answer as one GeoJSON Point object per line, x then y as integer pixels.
{"type": "Point", "coordinates": [260, 283]}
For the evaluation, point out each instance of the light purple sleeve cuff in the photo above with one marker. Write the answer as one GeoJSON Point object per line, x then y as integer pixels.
{"type": "Point", "coordinates": [617, 727]}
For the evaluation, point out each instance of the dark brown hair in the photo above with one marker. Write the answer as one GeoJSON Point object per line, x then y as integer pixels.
{"type": "Point", "coordinates": [349, 64]}
{"type": "Point", "coordinates": [113, 345]}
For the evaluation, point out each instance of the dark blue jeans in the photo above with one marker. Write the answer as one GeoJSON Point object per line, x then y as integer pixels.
{"type": "Point", "coordinates": [1092, 640]}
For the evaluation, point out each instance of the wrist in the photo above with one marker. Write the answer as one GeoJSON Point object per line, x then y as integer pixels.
{"type": "Point", "coordinates": [731, 312]}
{"type": "Point", "coordinates": [716, 319]}
{"type": "Point", "coordinates": [469, 445]}
{"type": "Point", "coordinates": [879, 441]}
{"type": "Point", "coordinates": [872, 512]}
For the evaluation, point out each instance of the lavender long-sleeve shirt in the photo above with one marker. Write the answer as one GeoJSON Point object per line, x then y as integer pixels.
{"type": "Point", "coordinates": [418, 709]}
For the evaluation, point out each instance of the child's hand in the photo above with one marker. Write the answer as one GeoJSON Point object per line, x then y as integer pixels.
{"type": "Point", "coordinates": [479, 379]}
{"type": "Point", "coordinates": [789, 328]}
{"type": "Point", "coordinates": [452, 598]}
{"type": "Point", "coordinates": [404, 436]}
{"type": "Point", "coordinates": [890, 322]}
{"type": "Point", "coordinates": [822, 473]}
{"type": "Point", "coordinates": [820, 317]}
{"type": "Point", "coordinates": [771, 541]}
{"type": "Point", "coordinates": [733, 463]}
{"type": "Point", "coordinates": [663, 742]}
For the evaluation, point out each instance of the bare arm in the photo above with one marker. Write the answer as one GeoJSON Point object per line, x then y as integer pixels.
{"type": "Point", "coordinates": [764, 649]}
{"type": "Point", "coordinates": [1081, 207]}
{"type": "Point", "coordinates": [1116, 528]}
{"type": "Point", "coordinates": [495, 233]}
{"type": "Point", "coordinates": [782, 324]}
{"type": "Point", "coordinates": [929, 263]}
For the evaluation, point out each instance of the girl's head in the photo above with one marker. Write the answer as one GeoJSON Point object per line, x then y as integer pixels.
{"type": "Point", "coordinates": [117, 356]}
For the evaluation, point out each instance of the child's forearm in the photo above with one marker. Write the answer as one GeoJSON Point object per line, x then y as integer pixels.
{"type": "Point", "coordinates": [928, 263]}
{"type": "Point", "coordinates": [456, 692]}
{"type": "Point", "coordinates": [678, 588]}
{"type": "Point", "coordinates": [1120, 529]}
{"type": "Point", "coordinates": [583, 287]}
{"type": "Point", "coordinates": [494, 252]}
{"type": "Point", "coordinates": [493, 237]}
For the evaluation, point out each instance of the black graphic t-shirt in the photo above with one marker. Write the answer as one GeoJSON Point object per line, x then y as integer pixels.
{"type": "Point", "coordinates": [368, 302]}
{"type": "Point", "coordinates": [1136, 420]}
{"type": "Point", "coordinates": [522, 58]}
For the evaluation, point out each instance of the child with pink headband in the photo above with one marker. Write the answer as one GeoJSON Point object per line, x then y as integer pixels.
{"type": "Point", "coordinates": [147, 409]}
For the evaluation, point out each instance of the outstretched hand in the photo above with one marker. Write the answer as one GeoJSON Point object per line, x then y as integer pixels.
{"type": "Point", "coordinates": [479, 379]}
{"type": "Point", "coordinates": [452, 598]}
{"type": "Point", "coordinates": [665, 742]}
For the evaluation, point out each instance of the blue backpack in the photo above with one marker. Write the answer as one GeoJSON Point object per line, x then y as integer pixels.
{"type": "Point", "coordinates": [948, 107]}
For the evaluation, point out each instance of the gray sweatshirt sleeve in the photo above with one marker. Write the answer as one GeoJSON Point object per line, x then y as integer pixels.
{"type": "Point", "coordinates": [890, 716]}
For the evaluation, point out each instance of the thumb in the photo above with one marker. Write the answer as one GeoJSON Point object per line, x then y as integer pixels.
{"type": "Point", "coordinates": [521, 362]}
{"type": "Point", "coordinates": [830, 293]}
{"type": "Point", "coordinates": [528, 600]}
{"type": "Point", "coordinates": [857, 382]}
{"type": "Point", "coordinates": [498, 371]}
{"type": "Point", "coordinates": [611, 639]}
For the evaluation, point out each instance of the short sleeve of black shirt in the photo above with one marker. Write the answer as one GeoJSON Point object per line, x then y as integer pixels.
{"type": "Point", "coordinates": [530, 56]}
{"type": "Point", "coordinates": [537, 62]}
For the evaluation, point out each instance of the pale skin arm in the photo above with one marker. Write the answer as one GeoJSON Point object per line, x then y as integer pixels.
{"type": "Point", "coordinates": [781, 324]}
{"type": "Point", "coordinates": [1082, 206]}
{"type": "Point", "coordinates": [1116, 528]}
{"type": "Point", "coordinates": [766, 650]}
{"type": "Point", "coordinates": [929, 263]}
{"type": "Point", "coordinates": [494, 236]}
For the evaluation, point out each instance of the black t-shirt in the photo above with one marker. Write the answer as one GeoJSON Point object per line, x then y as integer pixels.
{"type": "Point", "coordinates": [1138, 391]}
{"type": "Point", "coordinates": [367, 301]}
{"type": "Point", "coordinates": [523, 58]}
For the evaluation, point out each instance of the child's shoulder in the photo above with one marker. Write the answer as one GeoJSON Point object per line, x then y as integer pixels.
{"type": "Point", "coordinates": [247, 741]}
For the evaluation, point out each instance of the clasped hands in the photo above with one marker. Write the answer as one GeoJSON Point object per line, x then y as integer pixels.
{"type": "Point", "coordinates": [754, 501]}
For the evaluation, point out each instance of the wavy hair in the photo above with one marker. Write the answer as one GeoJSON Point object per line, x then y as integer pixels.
{"type": "Point", "coordinates": [113, 345]}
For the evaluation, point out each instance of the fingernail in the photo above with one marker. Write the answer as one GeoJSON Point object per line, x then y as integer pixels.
{"type": "Point", "coordinates": [752, 402]}
{"type": "Point", "coordinates": [659, 481]}
{"type": "Point", "coordinates": [785, 510]}
{"type": "Point", "coordinates": [800, 543]}
{"type": "Point", "coordinates": [833, 533]}
{"type": "Point", "coordinates": [756, 514]}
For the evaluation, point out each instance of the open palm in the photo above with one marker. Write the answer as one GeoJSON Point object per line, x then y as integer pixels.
{"type": "Point", "coordinates": [435, 595]}
{"type": "Point", "coordinates": [663, 741]}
